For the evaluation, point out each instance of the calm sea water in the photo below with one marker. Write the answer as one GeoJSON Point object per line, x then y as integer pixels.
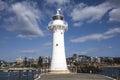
{"type": "Point", "coordinates": [111, 71]}
{"type": "Point", "coordinates": [18, 75]}
{"type": "Point", "coordinates": [29, 74]}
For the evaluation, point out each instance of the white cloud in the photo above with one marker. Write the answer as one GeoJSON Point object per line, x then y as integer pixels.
{"type": "Point", "coordinates": [115, 3]}
{"type": "Point", "coordinates": [99, 36]}
{"type": "Point", "coordinates": [115, 15]}
{"type": "Point", "coordinates": [113, 31]}
{"type": "Point", "coordinates": [84, 13]}
{"type": "Point", "coordinates": [48, 44]}
{"type": "Point", "coordinates": [2, 5]}
{"type": "Point", "coordinates": [28, 51]}
{"type": "Point", "coordinates": [77, 24]}
{"type": "Point", "coordinates": [96, 49]}
{"type": "Point", "coordinates": [60, 2]}
{"type": "Point", "coordinates": [25, 21]}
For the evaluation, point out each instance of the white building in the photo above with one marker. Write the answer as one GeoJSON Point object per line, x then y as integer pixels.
{"type": "Point", "coordinates": [46, 59]}
{"type": "Point", "coordinates": [58, 26]}
{"type": "Point", "coordinates": [19, 60]}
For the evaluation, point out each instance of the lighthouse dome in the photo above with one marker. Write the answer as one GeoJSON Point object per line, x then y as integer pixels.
{"type": "Point", "coordinates": [58, 16]}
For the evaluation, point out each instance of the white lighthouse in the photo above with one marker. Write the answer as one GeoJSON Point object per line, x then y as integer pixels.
{"type": "Point", "coordinates": [58, 26]}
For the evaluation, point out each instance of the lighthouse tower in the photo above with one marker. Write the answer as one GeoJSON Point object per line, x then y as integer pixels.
{"type": "Point", "coordinates": [58, 26]}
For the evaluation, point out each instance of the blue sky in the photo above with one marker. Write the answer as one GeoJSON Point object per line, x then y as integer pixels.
{"type": "Point", "coordinates": [94, 27]}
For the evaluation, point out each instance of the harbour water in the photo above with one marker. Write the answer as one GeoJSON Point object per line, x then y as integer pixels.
{"type": "Point", "coordinates": [18, 75]}
{"type": "Point", "coordinates": [111, 72]}
{"type": "Point", "coordinates": [29, 74]}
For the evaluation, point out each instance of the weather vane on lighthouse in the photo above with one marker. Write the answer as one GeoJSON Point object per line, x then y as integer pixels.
{"type": "Point", "coordinates": [58, 11]}
{"type": "Point", "coordinates": [58, 26]}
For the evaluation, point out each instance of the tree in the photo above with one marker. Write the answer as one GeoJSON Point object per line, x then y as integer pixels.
{"type": "Point", "coordinates": [25, 62]}
{"type": "Point", "coordinates": [40, 62]}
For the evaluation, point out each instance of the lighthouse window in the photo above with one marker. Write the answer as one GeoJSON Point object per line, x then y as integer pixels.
{"type": "Point", "coordinates": [57, 17]}
{"type": "Point", "coordinates": [56, 44]}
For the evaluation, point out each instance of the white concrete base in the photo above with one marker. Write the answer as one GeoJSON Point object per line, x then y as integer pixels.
{"type": "Point", "coordinates": [59, 72]}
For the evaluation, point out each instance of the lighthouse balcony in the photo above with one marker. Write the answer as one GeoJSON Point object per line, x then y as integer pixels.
{"type": "Point", "coordinates": [55, 26]}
